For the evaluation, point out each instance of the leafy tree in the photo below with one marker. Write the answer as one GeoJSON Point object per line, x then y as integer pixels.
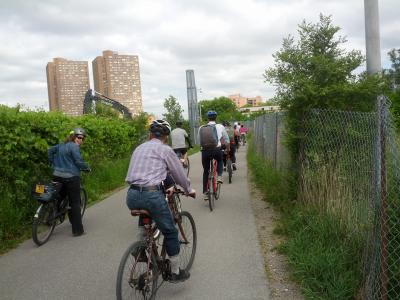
{"type": "Point", "coordinates": [394, 73]}
{"type": "Point", "coordinates": [225, 108]}
{"type": "Point", "coordinates": [393, 77]}
{"type": "Point", "coordinates": [315, 72]}
{"type": "Point", "coordinates": [106, 111]}
{"type": "Point", "coordinates": [174, 110]}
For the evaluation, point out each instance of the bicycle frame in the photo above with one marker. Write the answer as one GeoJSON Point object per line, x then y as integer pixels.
{"type": "Point", "coordinates": [174, 204]}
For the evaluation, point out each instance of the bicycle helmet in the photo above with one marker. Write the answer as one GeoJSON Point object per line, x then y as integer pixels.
{"type": "Point", "coordinates": [160, 127]}
{"type": "Point", "coordinates": [78, 131]}
{"type": "Point", "coordinates": [212, 114]}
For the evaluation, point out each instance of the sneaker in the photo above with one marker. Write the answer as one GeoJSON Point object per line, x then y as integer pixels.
{"type": "Point", "coordinates": [205, 196]}
{"type": "Point", "coordinates": [182, 276]}
{"type": "Point", "coordinates": [234, 167]}
{"type": "Point", "coordinates": [220, 179]}
{"type": "Point", "coordinates": [78, 233]}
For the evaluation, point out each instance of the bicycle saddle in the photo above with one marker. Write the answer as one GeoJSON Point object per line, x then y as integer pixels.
{"type": "Point", "coordinates": [138, 212]}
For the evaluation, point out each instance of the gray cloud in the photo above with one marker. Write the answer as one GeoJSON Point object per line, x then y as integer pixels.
{"type": "Point", "coordinates": [228, 43]}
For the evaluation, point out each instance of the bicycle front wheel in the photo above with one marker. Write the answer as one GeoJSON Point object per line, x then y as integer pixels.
{"type": "Point", "coordinates": [137, 274]}
{"type": "Point", "coordinates": [43, 223]}
{"type": "Point", "coordinates": [210, 200]}
{"type": "Point", "coordinates": [83, 201]}
{"type": "Point", "coordinates": [187, 235]}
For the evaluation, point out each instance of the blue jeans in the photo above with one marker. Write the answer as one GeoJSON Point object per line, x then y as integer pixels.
{"type": "Point", "coordinates": [154, 202]}
{"type": "Point", "coordinates": [206, 157]}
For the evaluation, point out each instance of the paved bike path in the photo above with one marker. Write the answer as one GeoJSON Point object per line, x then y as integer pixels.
{"type": "Point", "coordinates": [228, 263]}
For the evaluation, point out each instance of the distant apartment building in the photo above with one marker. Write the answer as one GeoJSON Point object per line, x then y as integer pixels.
{"type": "Point", "coordinates": [67, 83]}
{"type": "Point", "coordinates": [240, 101]}
{"type": "Point", "coordinates": [117, 77]}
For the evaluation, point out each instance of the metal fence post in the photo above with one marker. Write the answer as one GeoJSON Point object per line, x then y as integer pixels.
{"type": "Point", "coordinates": [276, 140]}
{"type": "Point", "coordinates": [384, 201]}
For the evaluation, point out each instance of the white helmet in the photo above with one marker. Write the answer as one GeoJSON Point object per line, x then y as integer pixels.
{"type": "Point", "coordinates": [160, 127]}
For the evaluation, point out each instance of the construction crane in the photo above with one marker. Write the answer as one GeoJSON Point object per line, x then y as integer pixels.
{"type": "Point", "coordinates": [92, 97]}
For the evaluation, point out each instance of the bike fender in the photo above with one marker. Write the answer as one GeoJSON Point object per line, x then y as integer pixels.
{"type": "Point", "coordinates": [37, 211]}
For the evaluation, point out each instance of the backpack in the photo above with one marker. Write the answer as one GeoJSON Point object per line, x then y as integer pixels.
{"type": "Point", "coordinates": [208, 137]}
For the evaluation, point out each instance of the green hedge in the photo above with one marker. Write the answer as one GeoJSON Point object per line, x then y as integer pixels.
{"type": "Point", "coordinates": [24, 140]}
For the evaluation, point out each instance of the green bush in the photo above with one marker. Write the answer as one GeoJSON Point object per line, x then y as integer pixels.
{"type": "Point", "coordinates": [24, 140]}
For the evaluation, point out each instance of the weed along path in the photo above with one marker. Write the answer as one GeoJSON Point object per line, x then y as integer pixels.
{"type": "Point", "coordinates": [228, 263]}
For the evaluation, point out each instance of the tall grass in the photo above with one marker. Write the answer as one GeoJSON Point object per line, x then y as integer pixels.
{"type": "Point", "coordinates": [324, 256]}
{"type": "Point", "coordinates": [106, 177]}
{"type": "Point", "coordinates": [327, 190]}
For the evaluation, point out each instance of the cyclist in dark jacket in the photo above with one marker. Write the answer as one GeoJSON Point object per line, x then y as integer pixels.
{"type": "Point", "coordinates": [67, 162]}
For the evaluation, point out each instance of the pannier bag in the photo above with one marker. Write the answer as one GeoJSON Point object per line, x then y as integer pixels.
{"type": "Point", "coordinates": [208, 137]}
{"type": "Point", "coordinates": [46, 192]}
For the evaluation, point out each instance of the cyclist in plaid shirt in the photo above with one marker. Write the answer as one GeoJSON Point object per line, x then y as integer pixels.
{"type": "Point", "coordinates": [150, 164]}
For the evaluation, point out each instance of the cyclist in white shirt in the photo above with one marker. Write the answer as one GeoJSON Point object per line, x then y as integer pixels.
{"type": "Point", "coordinates": [179, 137]}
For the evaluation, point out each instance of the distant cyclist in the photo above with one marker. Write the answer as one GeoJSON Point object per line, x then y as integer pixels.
{"type": "Point", "coordinates": [243, 131]}
{"type": "Point", "coordinates": [210, 137]}
{"type": "Point", "coordinates": [179, 138]}
{"type": "Point", "coordinates": [232, 151]}
{"type": "Point", "coordinates": [236, 134]}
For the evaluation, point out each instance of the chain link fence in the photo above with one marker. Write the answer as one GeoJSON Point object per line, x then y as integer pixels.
{"type": "Point", "coordinates": [349, 169]}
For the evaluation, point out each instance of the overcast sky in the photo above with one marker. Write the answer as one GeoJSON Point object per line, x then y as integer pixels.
{"type": "Point", "coordinates": [227, 43]}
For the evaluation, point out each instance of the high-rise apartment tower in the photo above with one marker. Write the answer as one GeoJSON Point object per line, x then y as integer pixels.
{"type": "Point", "coordinates": [67, 83]}
{"type": "Point", "coordinates": [118, 77]}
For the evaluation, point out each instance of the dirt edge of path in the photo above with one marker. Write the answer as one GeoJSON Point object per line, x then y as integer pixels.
{"type": "Point", "coordinates": [275, 264]}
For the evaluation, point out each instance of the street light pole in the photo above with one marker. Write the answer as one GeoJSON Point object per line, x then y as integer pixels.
{"type": "Point", "coordinates": [198, 103]}
{"type": "Point", "coordinates": [372, 37]}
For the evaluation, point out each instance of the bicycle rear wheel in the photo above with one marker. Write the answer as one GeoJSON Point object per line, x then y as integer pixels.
{"type": "Point", "coordinates": [229, 169]}
{"type": "Point", "coordinates": [43, 223]}
{"type": "Point", "coordinates": [83, 201]}
{"type": "Point", "coordinates": [187, 235]}
{"type": "Point", "coordinates": [137, 276]}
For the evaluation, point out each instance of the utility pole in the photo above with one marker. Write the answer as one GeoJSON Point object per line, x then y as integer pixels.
{"type": "Point", "coordinates": [372, 37]}
{"type": "Point", "coordinates": [192, 105]}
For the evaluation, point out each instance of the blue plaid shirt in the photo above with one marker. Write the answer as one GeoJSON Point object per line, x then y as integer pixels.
{"type": "Point", "coordinates": [152, 161]}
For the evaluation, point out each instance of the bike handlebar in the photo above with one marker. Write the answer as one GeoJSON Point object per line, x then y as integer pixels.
{"type": "Point", "coordinates": [180, 192]}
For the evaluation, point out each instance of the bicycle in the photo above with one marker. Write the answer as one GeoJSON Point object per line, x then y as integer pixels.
{"type": "Point", "coordinates": [243, 139]}
{"type": "Point", "coordinates": [213, 187]}
{"type": "Point", "coordinates": [52, 210]}
{"type": "Point", "coordinates": [186, 163]}
{"type": "Point", "coordinates": [144, 261]}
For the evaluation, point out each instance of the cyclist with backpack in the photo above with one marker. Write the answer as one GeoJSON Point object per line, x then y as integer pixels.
{"type": "Point", "coordinates": [211, 137]}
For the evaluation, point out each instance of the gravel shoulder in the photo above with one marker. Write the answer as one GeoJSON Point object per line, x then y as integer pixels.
{"type": "Point", "coordinates": [275, 264]}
